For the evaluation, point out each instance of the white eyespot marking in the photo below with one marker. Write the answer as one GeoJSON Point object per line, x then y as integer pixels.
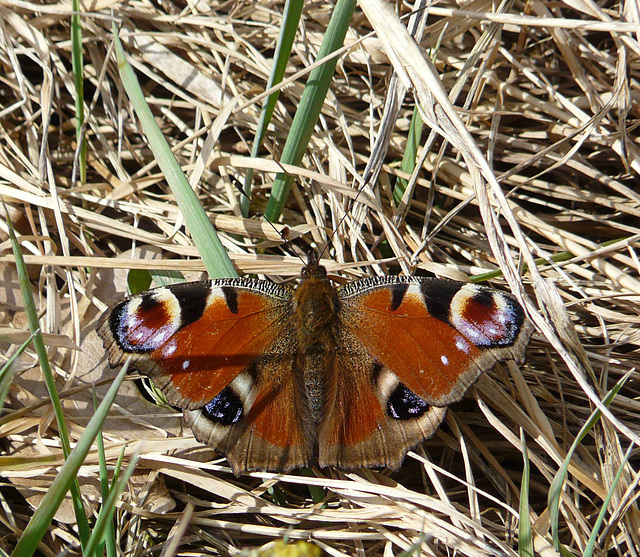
{"type": "Point", "coordinates": [129, 318]}
{"type": "Point", "coordinates": [216, 294]}
{"type": "Point", "coordinates": [414, 290]}
{"type": "Point", "coordinates": [484, 316]}
{"type": "Point", "coordinates": [387, 382]}
{"type": "Point", "coordinates": [171, 305]}
{"type": "Point", "coordinates": [242, 384]}
{"type": "Point", "coordinates": [186, 364]}
{"type": "Point", "coordinates": [444, 360]}
{"type": "Point", "coordinates": [244, 387]}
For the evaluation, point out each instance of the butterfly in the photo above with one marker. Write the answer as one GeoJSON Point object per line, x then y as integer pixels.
{"type": "Point", "coordinates": [276, 378]}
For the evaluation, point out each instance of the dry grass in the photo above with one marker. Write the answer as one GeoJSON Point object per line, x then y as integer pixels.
{"type": "Point", "coordinates": [550, 94]}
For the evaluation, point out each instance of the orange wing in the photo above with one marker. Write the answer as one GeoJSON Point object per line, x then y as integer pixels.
{"type": "Point", "coordinates": [436, 336]}
{"type": "Point", "coordinates": [406, 349]}
{"type": "Point", "coordinates": [223, 351]}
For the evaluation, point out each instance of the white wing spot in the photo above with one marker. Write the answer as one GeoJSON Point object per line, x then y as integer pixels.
{"type": "Point", "coordinates": [162, 336]}
{"type": "Point", "coordinates": [462, 345]}
{"type": "Point", "coordinates": [169, 349]}
{"type": "Point", "coordinates": [470, 331]}
{"type": "Point", "coordinates": [444, 360]}
{"type": "Point", "coordinates": [186, 364]}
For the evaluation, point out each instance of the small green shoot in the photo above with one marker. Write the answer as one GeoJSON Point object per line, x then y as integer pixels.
{"type": "Point", "coordinates": [78, 78]}
{"type": "Point", "coordinates": [410, 154]}
{"type": "Point", "coordinates": [138, 280]}
{"type": "Point", "coordinates": [555, 489]}
{"type": "Point", "coordinates": [591, 543]}
{"type": "Point", "coordinates": [310, 105]}
{"type": "Point", "coordinates": [525, 539]}
{"type": "Point", "coordinates": [213, 254]}
{"type": "Point", "coordinates": [7, 371]}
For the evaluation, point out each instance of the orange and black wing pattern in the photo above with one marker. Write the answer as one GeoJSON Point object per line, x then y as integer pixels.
{"type": "Point", "coordinates": [408, 348]}
{"type": "Point", "coordinates": [221, 350]}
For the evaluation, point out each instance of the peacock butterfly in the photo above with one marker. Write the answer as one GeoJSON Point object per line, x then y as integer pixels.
{"type": "Point", "coordinates": [351, 376]}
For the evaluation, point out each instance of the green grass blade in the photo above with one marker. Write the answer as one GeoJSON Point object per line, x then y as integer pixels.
{"type": "Point", "coordinates": [525, 539]}
{"type": "Point", "coordinates": [206, 239]}
{"type": "Point", "coordinates": [43, 360]}
{"type": "Point", "coordinates": [555, 489]}
{"type": "Point", "coordinates": [591, 543]}
{"type": "Point", "coordinates": [288, 29]}
{"type": "Point", "coordinates": [7, 371]}
{"type": "Point", "coordinates": [109, 541]}
{"type": "Point", "coordinates": [105, 516]}
{"type": "Point", "coordinates": [310, 106]}
{"type": "Point", "coordinates": [410, 154]}
{"type": "Point", "coordinates": [165, 278]}
{"type": "Point", "coordinates": [77, 64]}
{"type": "Point", "coordinates": [555, 258]}
{"type": "Point", "coordinates": [42, 517]}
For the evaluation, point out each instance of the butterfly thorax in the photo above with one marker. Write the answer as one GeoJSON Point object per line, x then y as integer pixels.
{"type": "Point", "coordinates": [315, 307]}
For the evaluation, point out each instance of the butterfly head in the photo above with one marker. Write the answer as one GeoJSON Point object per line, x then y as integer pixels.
{"type": "Point", "coordinates": [313, 269]}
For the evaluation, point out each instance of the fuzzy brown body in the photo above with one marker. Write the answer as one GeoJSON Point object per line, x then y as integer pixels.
{"type": "Point", "coordinates": [315, 319]}
{"type": "Point", "coordinates": [276, 378]}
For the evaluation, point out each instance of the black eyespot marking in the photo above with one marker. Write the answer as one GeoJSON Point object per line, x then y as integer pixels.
{"type": "Point", "coordinates": [147, 302]}
{"type": "Point", "coordinates": [231, 297]}
{"type": "Point", "coordinates": [404, 404]}
{"type": "Point", "coordinates": [398, 292]}
{"type": "Point", "coordinates": [225, 409]}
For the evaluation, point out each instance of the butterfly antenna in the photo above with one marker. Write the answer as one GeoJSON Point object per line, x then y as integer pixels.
{"type": "Point", "coordinates": [286, 242]}
{"type": "Point", "coordinates": [343, 218]}
{"type": "Point", "coordinates": [313, 255]}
